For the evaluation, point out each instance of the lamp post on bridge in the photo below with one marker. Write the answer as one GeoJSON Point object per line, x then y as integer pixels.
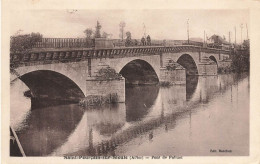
{"type": "Point", "coordinates": [188, 31]}
{"type": "Point", "coordinates": [235, 35]}
{"type": "Point", "coordinates": [247, 32]}
{"type": "Point", "coordinates": [241, 26]}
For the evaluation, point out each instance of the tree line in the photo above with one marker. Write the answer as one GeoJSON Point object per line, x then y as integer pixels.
{"type": "Point", "coordinates": [240, 57]}
{"type": "Point", "coordinates": [24, 42]}
{"type": "Point", "coordinates": [91, 34]}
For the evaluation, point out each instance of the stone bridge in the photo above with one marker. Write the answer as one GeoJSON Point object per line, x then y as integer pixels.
{"type": "Point", "coordinates": [69, 74]}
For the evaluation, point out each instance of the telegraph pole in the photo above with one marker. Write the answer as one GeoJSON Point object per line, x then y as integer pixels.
{"type": "Point", "coordinates": [247, 31]}
{"type": "Point", "coordinates": [204, 37]}
{"type": "Point", "coordinates": [241, 26]}
{"type": "Point", "coordinates": [188, 31]}
{"type": "Point", "coordinates": [229, 37]}
{"type": "Point", "coordinates": [144, 29]}
{"type": "Point", "coordinates": [235, 35]}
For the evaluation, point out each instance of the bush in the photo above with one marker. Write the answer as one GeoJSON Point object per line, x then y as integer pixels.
{"type": "Point", "coordinates": [97, 100]}
{"type": "Point", "coordinates": [108, 74]}
{"type": "Point", "coordinates": [240, 61]}
{"type": "Point", "coordinates": [21, 43]}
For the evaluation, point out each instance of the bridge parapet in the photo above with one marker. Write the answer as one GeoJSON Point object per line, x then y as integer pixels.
{"type": "Point", "coordinates": [47, 56]}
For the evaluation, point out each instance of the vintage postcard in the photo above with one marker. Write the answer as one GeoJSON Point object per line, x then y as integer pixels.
{"type": "Point", "coordinates": [150, 81]}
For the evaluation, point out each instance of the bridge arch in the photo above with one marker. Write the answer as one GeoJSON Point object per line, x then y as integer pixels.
{"type": "Point", "coordinates": [77, 74]}
{"type": "Point", "coordinates": [213, 59]}
{"type": "Point", "coordinates": [51, 86]}
{"type": "Point", "coordinates": [139, 71]}
{"type": "Point", "coordinates": [189, 64]}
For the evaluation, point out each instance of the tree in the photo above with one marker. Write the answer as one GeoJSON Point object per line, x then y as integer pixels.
{"type": "Point", "coordinates": [136, 42]}
{"type": "Point", "coordinates": [143, 41]}
{"type": "Point", "coordinates": [24, 42]}
{"type": "Point", "coordinates": [97, 32]}
{"type": "Point", "coordinates": [128, 34]}
{"type": "Point", "coordinates": [240, 60]}
{"type": "Point", "coordinates": [148, 38]}
{"type": "Point", "coordinates": [246, 44]}
{"type": "Point", "coordinates": [121, 29]}
{"type": "Point", "coordinates": [105, 35]}
{"type": "Point", "coordinates": [128, 39]}
{"type": "Point", "coordinates": [88, 33]}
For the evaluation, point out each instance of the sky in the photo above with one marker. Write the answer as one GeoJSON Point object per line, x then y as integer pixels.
{"type": "Point", "coordinates": [160, 24]}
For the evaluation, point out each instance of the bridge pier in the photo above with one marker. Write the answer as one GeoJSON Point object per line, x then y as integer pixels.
{"type": "Point", "coordinates": [113, 90]}
{"type": "Point", "coordinates": [172, 73]}
{"type": "Point", "coordinates": [207, 66]}
{"type": "Point", "coordinates": [207, 69]}
{"type": "Point", "coordinates": [106, 86]}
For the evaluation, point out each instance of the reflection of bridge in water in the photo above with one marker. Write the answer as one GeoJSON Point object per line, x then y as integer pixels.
{"type": "Point", "coordinates": [105, 132]}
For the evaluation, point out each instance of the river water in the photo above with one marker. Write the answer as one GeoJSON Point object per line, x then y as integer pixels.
{"type": "Point", "coordinates": [208, 116]}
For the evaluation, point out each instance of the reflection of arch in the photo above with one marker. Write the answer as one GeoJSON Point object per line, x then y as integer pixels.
{"type": "Point", "coordinates": [51, 85]}
{"type": "Point", "coordinates": [189, 64]}
{"type": "Point", "coordinates": [49, 129]}
{"type": "Point", "coordinates": [139, 101]}
{"type": "Point", "coordinates": [191, 85]}
{"type": "Point", "coordinates": [213, 59]}
{"type": "Point", "coordinates": [139, 72]}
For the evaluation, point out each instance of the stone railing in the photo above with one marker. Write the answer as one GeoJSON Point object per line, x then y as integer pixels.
{"type": "Point", "coordinates": [64, 43]}
{"type": "Point", "coordinates": [47, 56]}
{"type": "Point", "coordinates": [85, 43]}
